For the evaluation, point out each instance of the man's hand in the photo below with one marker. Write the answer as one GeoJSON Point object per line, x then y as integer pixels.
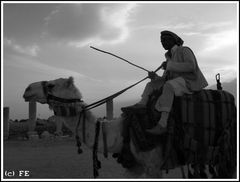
{"type": "Point", "coordinates": [152, 75]}
{"type": "Point", "coordinates": [164, 65]}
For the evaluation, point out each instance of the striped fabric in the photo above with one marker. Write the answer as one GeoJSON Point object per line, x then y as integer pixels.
{"type": "Point", "coordinates": [66, 109]}
{"type": "Point", "coordinates": [205, 117]}
{"type": "Point", "coordinates": [201, 129]}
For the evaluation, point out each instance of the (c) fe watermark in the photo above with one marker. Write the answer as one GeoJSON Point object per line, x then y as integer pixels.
{"type": "Point", "coordinates": [18, 173]}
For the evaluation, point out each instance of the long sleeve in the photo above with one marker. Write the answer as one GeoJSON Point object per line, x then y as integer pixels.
{"type": "Point", "coordinates": [189, 64]}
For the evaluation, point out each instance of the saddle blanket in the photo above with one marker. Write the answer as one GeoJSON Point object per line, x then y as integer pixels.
{"type": "Point", "coordinates": [205, 114]}
{"type": "Point", "coordinates": [198, 121]}
{"type": "Point", "coordinates": [201, 121]}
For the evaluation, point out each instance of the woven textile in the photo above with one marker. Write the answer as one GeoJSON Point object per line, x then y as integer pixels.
{"type": "Point", "coordinates": [202, 128]}
{"type": "Point", "coordinates": [66, 109]}
{"type": "Point", "coordinates": [205, 127]}
{"type": "Point", "coordinates": [204, 115]}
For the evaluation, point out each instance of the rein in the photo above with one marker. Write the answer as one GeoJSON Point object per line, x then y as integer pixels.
{"type": "Point", "coordinates": [82, 114]}
{"type": "Point", "coordinates": [49, 96]}
{"type": "Point", "coordinates": [96, 162]}
{"type": "Point", "coordinates": [52, 97]}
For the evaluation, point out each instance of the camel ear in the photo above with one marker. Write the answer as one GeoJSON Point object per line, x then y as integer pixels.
{"type": "Point", "coordinates": [70, 81]}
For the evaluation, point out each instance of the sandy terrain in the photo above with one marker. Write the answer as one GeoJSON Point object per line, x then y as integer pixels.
{"type": "Point", "coordinates": [58, 158]}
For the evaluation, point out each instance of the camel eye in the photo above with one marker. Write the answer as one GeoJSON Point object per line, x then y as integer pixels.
{"type": "Point", "coordinates": [28, 89]}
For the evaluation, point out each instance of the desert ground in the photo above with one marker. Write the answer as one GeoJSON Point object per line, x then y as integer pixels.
{"type": "Point", "coordinates": [57, 158]}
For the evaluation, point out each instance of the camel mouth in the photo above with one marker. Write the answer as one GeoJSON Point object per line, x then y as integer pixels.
{"type": "Point", "coordinates": [29, 98]}
{"type": "Point", "coordinates": [34, 99]}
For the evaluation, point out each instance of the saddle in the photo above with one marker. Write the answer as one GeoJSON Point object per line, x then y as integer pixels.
{"type": "Point", "coordinates": [205, 129]}
{"type": "Point", "coordinates": [196, 126]}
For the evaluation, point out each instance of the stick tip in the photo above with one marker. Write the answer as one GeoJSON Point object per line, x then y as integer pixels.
{"type": "Point", "coordinates": [93, 47]}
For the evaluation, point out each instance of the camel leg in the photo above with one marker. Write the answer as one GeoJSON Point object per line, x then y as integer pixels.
{"type": "Point", "coordinates": [152, 171]}
{"type": "Point", "coordinates": [59, 122]}
{"type": "Point", "coordinates": [182, 171]}
{"type": "Point", "coordinates": [135, 172]}
{"type": "Point", "coordinates": [153, 164]}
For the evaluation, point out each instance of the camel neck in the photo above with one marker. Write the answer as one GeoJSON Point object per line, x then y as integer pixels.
{"type": "Point", "coordinates": [111, 129]}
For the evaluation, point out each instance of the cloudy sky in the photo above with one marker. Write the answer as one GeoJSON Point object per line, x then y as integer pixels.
{"type": "Point", "coordinates": [46, 41]}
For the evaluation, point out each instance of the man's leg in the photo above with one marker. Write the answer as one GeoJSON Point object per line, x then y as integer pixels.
{"type": "Point", "coordinates": [150, 86]}
{"type": "Point", "coordinates": [173, 87]}
{"type": "Point", "coordinates": [146, 93]}
{"type": "Point", "coordinates": [163, 105]}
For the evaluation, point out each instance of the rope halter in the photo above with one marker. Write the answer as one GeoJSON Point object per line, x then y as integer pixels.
{"type": "Point", "coordinates": [73, 107]}
{"type": "Point", "coordinates": [62, 106]}
{"type": "Point", "coordinates": [66, 107]}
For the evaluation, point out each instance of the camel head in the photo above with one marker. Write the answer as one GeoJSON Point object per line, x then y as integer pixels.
{"type": "Point", "coordinates": [62, 88]}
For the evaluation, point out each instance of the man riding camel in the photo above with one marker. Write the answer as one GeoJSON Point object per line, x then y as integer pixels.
{"type": "Point", "coordinates": [181, 76]}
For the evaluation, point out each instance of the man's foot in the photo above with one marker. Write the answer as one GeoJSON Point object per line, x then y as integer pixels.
{"type": "Point", "coordinates": [135, 107]}
{"type": "Point", "coordinates": [157, 130]}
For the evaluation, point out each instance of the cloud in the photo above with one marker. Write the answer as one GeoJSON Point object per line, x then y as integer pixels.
{"type": "Point", "coordinates": [167, 26]}
{"type": "Point", "coordinates": [25, 50]}
{"type": "Point", "coordinates": [227, 72]}
{"type": "Point", "coordinates": [214, 36]}
{"type": "Point", "coordinates": [82, 24]}
{"type": "Point", "coordinates": [39, 67]}
{"type": "Point", "coordinates": [219, 40]}
{"type": "Point", "coordinates": [190, 27]}
{"type": "Point", "coordinates": [216, 25]}
{"type": "Point", "coordinates": [204, 27]}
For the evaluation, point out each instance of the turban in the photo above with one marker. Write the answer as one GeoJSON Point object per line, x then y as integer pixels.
{"type": "Point", "coordinates": [178, 40]}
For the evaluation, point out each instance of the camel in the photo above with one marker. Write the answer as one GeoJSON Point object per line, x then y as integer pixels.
{"type": "Point", "coordinates": [64, 88]}
{"type": "Point", "coordinates": [150, 162]}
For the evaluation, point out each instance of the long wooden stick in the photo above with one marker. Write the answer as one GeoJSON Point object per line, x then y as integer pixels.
{"type": "Point", "coordinates": [119, 58]}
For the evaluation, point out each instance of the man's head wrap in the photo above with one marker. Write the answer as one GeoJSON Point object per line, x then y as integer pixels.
{"type": "Point", "coordinates": [178, 40]}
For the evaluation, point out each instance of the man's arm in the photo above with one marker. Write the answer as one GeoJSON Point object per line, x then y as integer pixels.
{"type": "Point", "coordinates": [189, 64]}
